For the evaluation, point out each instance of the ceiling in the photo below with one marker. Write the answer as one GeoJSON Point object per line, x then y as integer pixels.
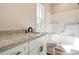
{"type": "Point", "coordinates": [62, 7]}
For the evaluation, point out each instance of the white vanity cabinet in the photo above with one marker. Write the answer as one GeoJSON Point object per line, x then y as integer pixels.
{"type": "Point", "coordinates": [38, 46]}
{"type": "Point", "coordinates": [19, 50]}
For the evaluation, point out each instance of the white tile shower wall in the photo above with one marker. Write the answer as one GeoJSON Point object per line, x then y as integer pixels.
{"type": "Point", "coordinates": [48, 22]}
{"type": "Point", "coordinates": [71, 29]}
{"type": "Point", "coordinates": [65, 17]}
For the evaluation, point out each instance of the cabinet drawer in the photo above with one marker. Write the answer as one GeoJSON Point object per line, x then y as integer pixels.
{"type": "Point", "coordinates": [16, 50]}
{"type": "Point", "coordinates": [9, 52]}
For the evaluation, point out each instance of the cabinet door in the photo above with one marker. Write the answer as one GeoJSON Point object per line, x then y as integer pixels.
{"type": "Point", "coordinates": [33, 44]}
{"type": "Point", "coordinates": [34, 52]}
{"type": "Point", "coordinates": [43, 49]}
{"type": "Point", "coordinates": [43, 46]}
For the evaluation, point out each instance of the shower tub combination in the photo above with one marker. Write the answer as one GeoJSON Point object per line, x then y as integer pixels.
{"type": "Point", "coordinates": [68, 38]}
{"type": "Point", "coordinates": [66, 42]}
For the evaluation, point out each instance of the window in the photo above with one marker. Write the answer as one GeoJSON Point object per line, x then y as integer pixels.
{"type": "Point", "coordinates": [40, 23]}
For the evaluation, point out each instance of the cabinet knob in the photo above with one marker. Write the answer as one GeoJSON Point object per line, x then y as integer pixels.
{"type": "Point", "coordinates": [18, 53]}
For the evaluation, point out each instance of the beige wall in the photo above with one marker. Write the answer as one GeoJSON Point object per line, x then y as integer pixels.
{"type": "Point", "coordinates": [63, 7]}
{"type": "Point", "coordinates": [17, 16]}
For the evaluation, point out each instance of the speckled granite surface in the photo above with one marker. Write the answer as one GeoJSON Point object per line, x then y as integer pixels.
{"type": "Point", "coordinates": [12, 40]}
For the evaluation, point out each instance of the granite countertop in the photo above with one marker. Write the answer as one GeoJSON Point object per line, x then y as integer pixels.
{"type": "Point", "coordinates": [14, 40]}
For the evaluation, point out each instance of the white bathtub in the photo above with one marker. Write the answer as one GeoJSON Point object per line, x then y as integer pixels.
{"type": "Point", "coordinates": [68, 42]}
{"type": "Point", "coordinates": [62, 38]}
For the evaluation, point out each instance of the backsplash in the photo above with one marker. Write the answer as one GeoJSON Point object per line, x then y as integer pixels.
{"type": "Point", "coordinates": [11, 32]}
